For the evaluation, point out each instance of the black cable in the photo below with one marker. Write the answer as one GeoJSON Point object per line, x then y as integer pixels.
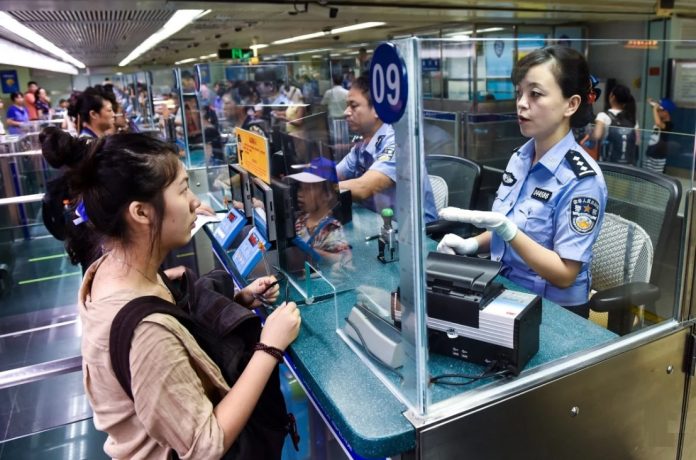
{"type": "Point", "coordinates": [372, 355]}
{"type": "Point", "coordinates": [437, 379]}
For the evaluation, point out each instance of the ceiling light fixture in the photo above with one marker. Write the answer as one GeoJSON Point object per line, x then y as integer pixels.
{"type": "Point", "coordinates": [178, 21]}
{"type": "Point", "coordinates": [490, 29]}
{"type": "Point", "coordinates": [339, 30]}
{"type": "Point", "coordinates": [258, 47]}
{"type": "Point", "coordinates": [186, 61]}
{"type": "Point", "coordinates": [14, 55]}
{"type": "Point", "coordinates": [361, 26]}
{"type": "Point", "coordinates": [17, 28]}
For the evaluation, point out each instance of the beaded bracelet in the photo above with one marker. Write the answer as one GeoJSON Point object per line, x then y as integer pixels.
{"type": "Point", "coordinates": [273, 351]}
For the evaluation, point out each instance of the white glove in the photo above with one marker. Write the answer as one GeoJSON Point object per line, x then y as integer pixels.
{"type": "Point", "coordinates": [493, 221]}
{"type": "Point", "coordinates": [453, 244]}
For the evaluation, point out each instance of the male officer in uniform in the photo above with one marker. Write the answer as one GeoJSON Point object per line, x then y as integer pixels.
{"type": "Point", "coordinates": [369, 169]}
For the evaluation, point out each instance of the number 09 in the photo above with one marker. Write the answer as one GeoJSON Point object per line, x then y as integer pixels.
{"type": "Point", "coordinates": [390, 81]}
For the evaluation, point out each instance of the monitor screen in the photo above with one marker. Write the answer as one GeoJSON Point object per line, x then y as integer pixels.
{"type": "Point", "coordinates": [262, 209]}
{"type": "Point", "coordinates": [239, 189]}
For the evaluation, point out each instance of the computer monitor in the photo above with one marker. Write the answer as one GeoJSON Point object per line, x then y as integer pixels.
{"type": "Point", "coordinates": [240, 188]}
{"type": "Point", "coordinates": [272, 209]}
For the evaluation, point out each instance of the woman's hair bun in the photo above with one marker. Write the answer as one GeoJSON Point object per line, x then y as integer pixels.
{"type": "Point", "coordinates": [61, 149]}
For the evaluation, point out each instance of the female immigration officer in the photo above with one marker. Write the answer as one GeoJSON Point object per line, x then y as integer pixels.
{"type": "Point", "coordinates": [550, 205]}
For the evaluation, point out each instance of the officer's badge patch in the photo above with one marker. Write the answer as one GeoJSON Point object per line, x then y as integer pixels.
{"type": "Point", "coordinates": [584, 212]}
{"type": "Point", "coordinates": [509, 179]}
{"type": "Point", "coordinates": [387, 154]}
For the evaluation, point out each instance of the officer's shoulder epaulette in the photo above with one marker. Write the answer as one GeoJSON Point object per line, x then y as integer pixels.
{"type": "Point", "coordinates": [516, 149]}
{"type": "Point", "coordinates": [581, 168]}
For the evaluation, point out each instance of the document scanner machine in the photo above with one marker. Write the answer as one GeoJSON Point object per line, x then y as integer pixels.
{"type": "Point", "coordinates": [473, 318]}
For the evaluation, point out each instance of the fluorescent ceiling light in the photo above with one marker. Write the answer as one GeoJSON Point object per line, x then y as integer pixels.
{"type": "Point", "coordinates": [15, 55]}
{"type": "Point", "coordinates": [335, 54]}
{"type": "Point", "coordinates": [258, 47]}
{"type": "Point", "coordinates": [185, 61]}
{"type": "Point", "coordinates": [361, 26]}
{"type": "Point", "coordinates": [490, 29]}
{"type": "Point", "coordinates": [299, 38]}
{"type": "Point", "coordinates": [459, 34]}
{"type": "Point", "coordinates": [209, 56]}
{"type": "Point", "coordinates": [17, 28]}
{"type": "Point", "coordinates": [178, 21]}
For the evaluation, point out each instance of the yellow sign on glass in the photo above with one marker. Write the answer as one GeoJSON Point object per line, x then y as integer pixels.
{"type": "Point", "coordinates": [253, 154]}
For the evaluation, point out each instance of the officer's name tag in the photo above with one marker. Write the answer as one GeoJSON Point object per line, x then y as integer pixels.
{"type": "Point", "coordinates": [541, 194]}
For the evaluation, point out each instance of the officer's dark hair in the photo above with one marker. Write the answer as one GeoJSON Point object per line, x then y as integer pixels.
{"type": "Point", "coordinates": [337, 78]}
{"type": "Point", "coordinates": [624, 97]}
{"type": "Point", "coordinates": [14, 95]}
{"type": "Point", "coordinates": [571, 73]}
{"type": "Point", "coordinates": [362, 83]}
{"type": "Point", "coordinates": [109, 173]}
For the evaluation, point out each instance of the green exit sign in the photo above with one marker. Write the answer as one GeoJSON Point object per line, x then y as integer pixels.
{"type": "Point", "coordinates": [235, 53]}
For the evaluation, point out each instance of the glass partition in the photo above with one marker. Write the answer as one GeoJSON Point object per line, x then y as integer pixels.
{"type": "Point", "coordinates": [420, 354]}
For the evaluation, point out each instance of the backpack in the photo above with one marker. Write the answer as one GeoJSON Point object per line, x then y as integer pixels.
{"type": "Point", "coordinates": [620, 143]}
{"type": "Point", "coordinates": [227, 333]}
{"type": "Point", "coordinates": [55, 216]}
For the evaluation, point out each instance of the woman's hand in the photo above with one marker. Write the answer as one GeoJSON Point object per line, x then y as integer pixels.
{"type": "Point", "coordinates": [175, 273]}
{"type": "Point", "coordinates": [265, 288]}
{"type": "Point", "coordinates": [205, 210]}
{"type": "Point", "coordinates": [493, 221]}
{"type": "Point", "coordinates": [282, 326]}
{"type": "Point", "coordinates": [453, 244]}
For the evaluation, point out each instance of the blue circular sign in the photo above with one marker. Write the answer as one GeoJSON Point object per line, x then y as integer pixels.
{"type": "Point", "coordinates": [388, 83]}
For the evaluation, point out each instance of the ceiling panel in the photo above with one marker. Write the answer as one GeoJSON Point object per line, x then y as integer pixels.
{"type": "Point", "coordinates": [101, 32]}
{"type": "Point", "coordinates": [96, 38]}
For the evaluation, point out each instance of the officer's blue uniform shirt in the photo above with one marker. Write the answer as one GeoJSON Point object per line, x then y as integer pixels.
{"type": "Point", "coordinates": [559, 203]}
{"type": "Point", "coordinates": [379, 155]}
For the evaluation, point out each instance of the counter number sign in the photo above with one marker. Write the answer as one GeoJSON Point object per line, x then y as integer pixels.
{"type": "Point", "coordinates": [388, 83]}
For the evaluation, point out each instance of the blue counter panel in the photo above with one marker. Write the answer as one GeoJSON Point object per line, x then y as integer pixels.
{"type": "Point", "coordinates": [362, 410]}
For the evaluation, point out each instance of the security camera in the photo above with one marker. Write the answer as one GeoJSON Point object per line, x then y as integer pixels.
{"type": "Point", "coordinates": [336, 37]}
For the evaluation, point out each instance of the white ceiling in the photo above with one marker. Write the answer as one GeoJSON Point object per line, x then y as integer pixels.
{"type": "Point", "coordinates": [101, 33]}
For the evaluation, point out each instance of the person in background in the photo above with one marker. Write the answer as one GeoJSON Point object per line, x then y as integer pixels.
{"type": "Point", "coordinates": [364, 60]}
{"type": "Point", "coordinates": [293, 115]}
{"type": "Point", "coordinates": [30, 100]}
{"type": "Point", "coordinates": [93, 112]}
{"type": "Point", "coordinates": [369, 169]}
{"type": "Point", "coordinates": [42, 103]}
{"type": "Point", "coordinates": [136, 194]}
{"type": "Point", "coordinates": [2, 126]}
{"type": "Point", "coordinates": [621, 113]}
{"type": "Point", "coordinates": [316, 227]}
{"type": "Point", "coordinates": [16, 114]}
{"type": "Point", "coordinates": [335, 99]}
{"type": "Point", "coordinates": [550, 205]}
{"type": "Point", "coordinates": [68, 121]}
{"type": "Point", "coordinates": [656, 153]}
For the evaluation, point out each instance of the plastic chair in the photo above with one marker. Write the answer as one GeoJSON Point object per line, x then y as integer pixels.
{"type": "Point", "coordinates": [649, 199]}
{"type": "Point", "coordinates": [462, 177]}
{"type": "Point", "coordinates": [621, 268]}
{"type": "Point", "coordinates": [440, 191]}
